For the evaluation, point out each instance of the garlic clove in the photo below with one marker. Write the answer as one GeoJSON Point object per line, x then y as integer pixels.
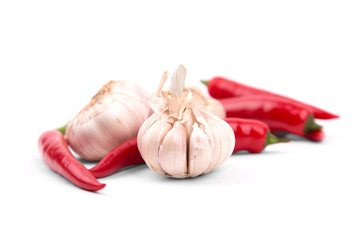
{"type": "Point", "coordinates": [172, 152]}
{"type": "Point", "coordinates": [223, 142]}
{"type": "Point", "coordinates": [216, 147]}
{"type": "Point", "coordinates": [199, 151]}
{"type": "Point", "coordinates": [208, 120]}
{"type": "Point", "coordinates": [152, 133]}
{"type": "Point", "coordinates": [227, 141]}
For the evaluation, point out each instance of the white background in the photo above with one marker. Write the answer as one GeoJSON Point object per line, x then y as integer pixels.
{"type": "Point", "coordinates": [54, 55]}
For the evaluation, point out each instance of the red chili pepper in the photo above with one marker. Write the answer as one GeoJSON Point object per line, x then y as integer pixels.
{"type": "Point", "coordinates": [278, 113]}
{"type": "Point", "coordinates": [316, 136]}
{"type": "Point", "coordinates": [252, 135]}
{"type": "Point", "coordinates": [124, 155]}
{"type": "Point", "coordinates": [57, 156]}
{"type": "Point", "coordinates": [219, 87]}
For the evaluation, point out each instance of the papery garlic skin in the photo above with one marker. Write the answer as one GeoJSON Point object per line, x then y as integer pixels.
{"type": "Point", "coordinates": [113, 116]}
{"type": "Point", "coordinates": [182, 139]}
{"type": "Point", "coordinates": [209, 103]}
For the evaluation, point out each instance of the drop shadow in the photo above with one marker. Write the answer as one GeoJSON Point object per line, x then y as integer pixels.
{"type": "Point", "coordinates": [143, 171]}
{"type": "Point", "coordinates": [246, 153]}
{"type": "Point", "coordinates": [215, 177]}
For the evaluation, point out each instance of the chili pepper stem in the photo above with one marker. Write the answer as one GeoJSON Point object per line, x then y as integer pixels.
{"type": "Point", "coordinates": [311, 125]}
{"type": "Point", "coordinates": [205, 82]}
{"type": "Point", "coordinates": [272, 139]}
{"type": "Point", "coordinates": [62, 129]}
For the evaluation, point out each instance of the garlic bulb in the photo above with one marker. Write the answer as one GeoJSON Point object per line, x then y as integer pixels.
{"type": "Point", "coordinates": [113, 116]}
{"type": "Point", "coordinates": [181, 139]}
{"type": "Point", "coordinates": [209, 103]}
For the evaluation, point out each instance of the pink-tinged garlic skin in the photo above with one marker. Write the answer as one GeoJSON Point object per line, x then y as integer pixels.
{"type": "Point", "coordinates": [113, 116]}
{"type": "Point", "coordinates": [182, 139]}
{"type": "Point", "coordinates": [199, 153]}
{"type": "Point", "coordinates": [172, 152]}
{"type": "Point", "coordinates": [152, 133]}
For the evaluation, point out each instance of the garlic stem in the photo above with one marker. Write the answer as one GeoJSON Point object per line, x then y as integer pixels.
{"type": "Point", "coordinates": [177, 88]}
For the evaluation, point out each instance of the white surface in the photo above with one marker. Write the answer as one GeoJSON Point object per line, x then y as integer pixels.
{"type": "Point", "coordinates": [55, 56]}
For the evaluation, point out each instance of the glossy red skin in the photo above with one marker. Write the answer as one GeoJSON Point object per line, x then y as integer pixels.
{"type": "Point", "coordinates": [250, 135]}
{"type": "Point", "coordinates": [55, 152]}
{"type": "Point", "coordinates": [316, 136]}
{"type": "Point", "coordinates": [219, 87]}
{"type": "Point", "coordinates": [124, 155]}
{"type": "Point", "coordinates": [278, 113]}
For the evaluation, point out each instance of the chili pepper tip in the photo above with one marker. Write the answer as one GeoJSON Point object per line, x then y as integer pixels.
{"type": "Point", "coordinates": [205, 82]}
{"type": "Point", "coordinates": [316, 136]}
{"type": "Point", "coordinates": [98, 187]}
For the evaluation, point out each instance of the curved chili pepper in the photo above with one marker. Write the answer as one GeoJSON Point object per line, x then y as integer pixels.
{"type": "Point", "coordinates": [219, 87]}
{"type": "Point", "coordinates": [57, 156]}
{"type": "Point", "coordinates": [278, 113]}
{"type": "Point", "coordinates": [124, 155]}
{"type": "Point", "coordinates": [252, 135]}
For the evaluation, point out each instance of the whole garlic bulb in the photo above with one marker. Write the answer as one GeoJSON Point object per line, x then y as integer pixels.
{"type": "Point", "coordinates": [113, 116]}
{"type": "Point", "coordinates": [181, 139]}
{"type": "Point", "coordinates": [209, 103]}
